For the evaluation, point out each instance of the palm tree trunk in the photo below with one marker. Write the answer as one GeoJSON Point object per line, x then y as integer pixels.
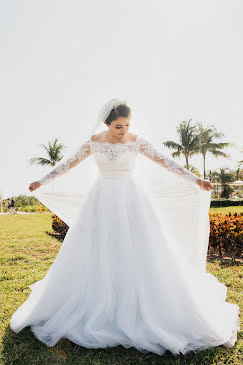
{"type": "Point", "coordinates": [204, 167]}
{"type": "Point", "coordinates": [187, 164]}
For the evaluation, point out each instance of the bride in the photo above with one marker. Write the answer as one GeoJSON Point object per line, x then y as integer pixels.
{"type": "Point", "coordinates": [127, 272]}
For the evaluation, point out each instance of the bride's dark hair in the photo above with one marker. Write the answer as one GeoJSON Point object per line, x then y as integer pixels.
{"type": "Point", "coordinates": [122, 110]}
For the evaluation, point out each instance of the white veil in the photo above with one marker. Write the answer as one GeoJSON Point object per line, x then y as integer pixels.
{"type": "Point", "coordinates": [182, 206]}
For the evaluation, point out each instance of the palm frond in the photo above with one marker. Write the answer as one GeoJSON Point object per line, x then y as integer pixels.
{"type": "Point", "coordinates": [217, 153]}
{"type": "Point", "coordinates": [172, 145]}
{"type": "Point", "coordinates": [176, 154]}
{"type": "Point", "coordinates": [218, 145]}
{"type": "Point", "coordinates": [40, 161]}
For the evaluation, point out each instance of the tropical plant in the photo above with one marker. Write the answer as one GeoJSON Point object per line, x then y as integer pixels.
{"type": "Point", "coordinates": [226, 234]}
{"type": "Point", "coordinates": [207, 144]}
{"type": "Point", "coordinates": [188, 141]}
{"type": "Point", "coordinates": [193, 169]}
{"type": "Point", "coordinates": [240, 162]}
{"type": "Point", "coordinates": [59, 226]}
{"type": "Point", "coordinates": [54, 154]}
{"type": "Point", "coordinates": [225, 176]}
{"type": "Point", "coordinates": [238, 173]}
{"type": "Point", "coordinates": [213, 176]}
{"type": "Point", "coordinates": [25, 203]}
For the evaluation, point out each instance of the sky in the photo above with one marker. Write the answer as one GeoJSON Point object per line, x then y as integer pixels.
{"type": "Point", "coordinates": [61, 60]}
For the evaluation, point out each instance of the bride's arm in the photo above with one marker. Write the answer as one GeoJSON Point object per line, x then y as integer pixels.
{"type": "Point", "coordinates": [151, 152]}
{"type": "Point", "coordinates": [80, 155]}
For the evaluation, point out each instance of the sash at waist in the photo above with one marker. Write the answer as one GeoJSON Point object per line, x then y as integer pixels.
{"type": "Point", "coordinates": [115, 174]}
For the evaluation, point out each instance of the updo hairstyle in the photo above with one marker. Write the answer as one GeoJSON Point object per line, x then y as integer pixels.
{"type": "Point", "coordinates": [121, 110]}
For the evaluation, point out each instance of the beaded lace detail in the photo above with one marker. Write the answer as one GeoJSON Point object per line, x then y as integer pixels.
{"type": "Point", "coordinates": [116, 152]}
{"type": "Point", "coordinates": [151, 152]}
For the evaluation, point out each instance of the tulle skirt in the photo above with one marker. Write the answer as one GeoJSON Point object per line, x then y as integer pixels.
{"type": "Point", "coordinates": [117, 280]}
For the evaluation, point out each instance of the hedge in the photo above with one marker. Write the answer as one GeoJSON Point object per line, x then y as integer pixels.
{"type": "Point", "coordinates": [226, 233]}
{"type": "Point", "coordinates": [225, 202]}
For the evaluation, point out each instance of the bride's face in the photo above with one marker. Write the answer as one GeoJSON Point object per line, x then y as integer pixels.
{"type": "Point", "coordinates": [120, 126]}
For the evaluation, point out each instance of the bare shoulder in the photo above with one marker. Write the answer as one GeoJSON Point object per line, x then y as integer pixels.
{"type": "Point", "coordinates": [102, 137]}
{"type": "Point", "coordinates": [132, 137]}
{"type": "Point", "coordinates": [99, 137]}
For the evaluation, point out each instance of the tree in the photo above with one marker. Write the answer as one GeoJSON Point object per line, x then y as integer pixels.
{"type": "Point", "coordinates": [188, 141]}
{"type": "Point", "coordinates": [224, 176]}
{"type": "Point", "coordinates": [207, 144]}
{"type": "Point", "coordinates": [238, 173]}
{"type": "Point", "coordinates": [213, 176]}
{"type": "Point", "coordinates": [54, 154]}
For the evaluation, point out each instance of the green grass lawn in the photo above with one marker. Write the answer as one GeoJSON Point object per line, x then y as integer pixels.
{"type": "Point", "coordinates": [232, 209]}
{"type": "Point", "coordinates": [27, 252]}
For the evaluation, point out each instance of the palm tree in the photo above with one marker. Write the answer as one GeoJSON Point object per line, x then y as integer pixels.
{"type": "Point", "coordinates": [225, 176]}
{"type": "Point", "coordinates": [206, 143]}
{"type": "Point", "coordinates": [54, 154]}
{"type": "Point", "coordinates": [237, 173]}
{"type": "Point", "coordinates": [188, 141]}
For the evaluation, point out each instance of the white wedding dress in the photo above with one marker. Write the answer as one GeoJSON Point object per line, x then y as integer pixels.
{"type": "Point", "coordinates": [117, 278]}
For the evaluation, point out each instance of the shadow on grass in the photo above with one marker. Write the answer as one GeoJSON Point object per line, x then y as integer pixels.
{"type": "Point", "coordinates": [225, 262]}
{"type": "Point", "coordinates": [25, 349]}
{"type": "Point", "coordinates": [55, 235]}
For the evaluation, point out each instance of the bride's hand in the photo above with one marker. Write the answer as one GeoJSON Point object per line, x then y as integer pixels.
{"type": "Point", "coordinates": [205, 185]}
{"type": "Point", "coordinates": [34, 185]}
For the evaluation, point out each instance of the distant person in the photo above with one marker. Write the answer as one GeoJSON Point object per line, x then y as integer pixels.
{"type": "Point", "coordinates": [9, 206]}
{"type": "Point", "coordinates": [13, 206]}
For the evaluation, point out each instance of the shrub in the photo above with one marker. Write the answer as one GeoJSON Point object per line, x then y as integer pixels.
{"type": "Point", "coordinates": [226, 234]}
{"type": "Point", "coordinates": [25, 203]}
{"type": "Point", "coordinates": [59, 226]}
{"type": "Point", "coordinates": [225, 202]}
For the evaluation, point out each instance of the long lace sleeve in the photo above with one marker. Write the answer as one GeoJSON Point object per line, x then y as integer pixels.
{"type": "Point", "coordinates": [80, 155]}
{"type": "Point", "coordinates": [151, 152]}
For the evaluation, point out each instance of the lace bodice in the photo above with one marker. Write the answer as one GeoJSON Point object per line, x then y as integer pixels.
{"type": "Point", "coordinates": [118, 158]}
{"type": "Point", "coordinates": [115, 159]}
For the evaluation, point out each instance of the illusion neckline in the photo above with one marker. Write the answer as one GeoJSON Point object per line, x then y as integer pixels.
{"type": "Point", "coordinates": [114, 144]}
